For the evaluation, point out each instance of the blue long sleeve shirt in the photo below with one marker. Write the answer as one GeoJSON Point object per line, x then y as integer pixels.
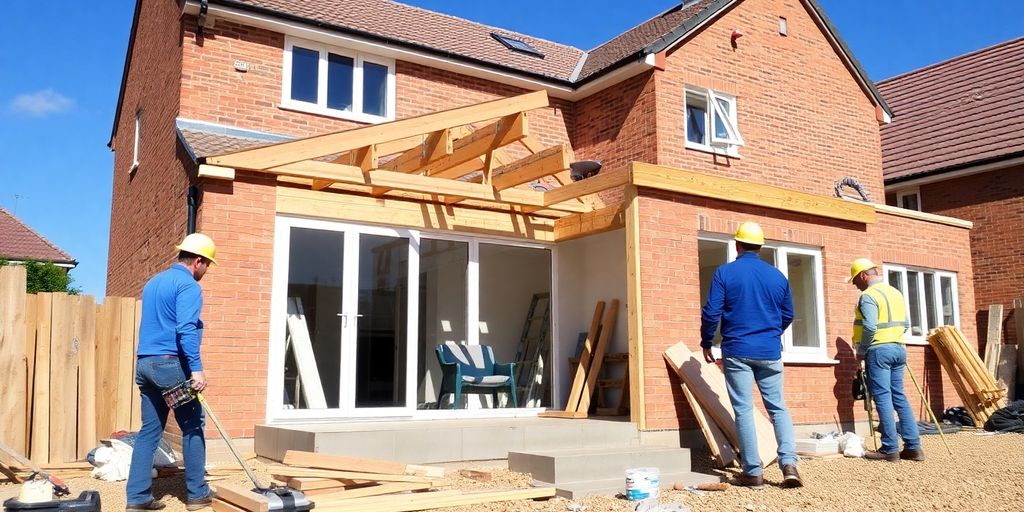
{"type": "Point", "coordinates": [753, 302]}
{"type": "Point", "coordinates": [869, 310]}
{"type": "Point", "coordinates": [171, 302]}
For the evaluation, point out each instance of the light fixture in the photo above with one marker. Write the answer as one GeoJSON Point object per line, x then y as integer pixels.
{"type": "Point", "coordinates": [583, 169]}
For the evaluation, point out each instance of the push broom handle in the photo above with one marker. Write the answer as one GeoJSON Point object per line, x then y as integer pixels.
{"type": "Point", "coordinates": [227, 439]}
{"type": "Point", "coordinates": [928, 406]}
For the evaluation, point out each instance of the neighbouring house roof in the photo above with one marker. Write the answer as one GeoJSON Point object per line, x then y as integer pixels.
{"type": "Point", "coordinates": [962, 112]}
{"type": "Point", "coordinates": [458, 39]}
{"type": "Point", "coordinates": [18, 242]}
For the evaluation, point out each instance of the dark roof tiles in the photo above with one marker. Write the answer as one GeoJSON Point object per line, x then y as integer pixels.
{"type": "Point", "coordinates": [954, 113]}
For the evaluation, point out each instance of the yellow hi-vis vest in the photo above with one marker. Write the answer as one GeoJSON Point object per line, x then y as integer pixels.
{"type": "Point", "coordinates": [892, 315]}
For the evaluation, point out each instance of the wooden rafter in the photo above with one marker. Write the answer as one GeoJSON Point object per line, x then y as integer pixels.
{"type": "Point", "coordinates": [535, 166]}
{"type": "Point", "coordinates": [318, 146]}
{"type": "Point", "coordinates": [591, 185]}
{"type": "Point", "coordinates": [505, 131]}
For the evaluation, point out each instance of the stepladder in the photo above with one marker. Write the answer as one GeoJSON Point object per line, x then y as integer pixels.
{"type": "Point", "coordinates": [533, 378]}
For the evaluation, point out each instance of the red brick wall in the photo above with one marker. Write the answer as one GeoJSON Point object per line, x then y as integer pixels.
{"type": "Point", "coordinates": [994, 202]}
{"type": "Point", "coordinates": [670, 284]}
{"type": "Point", "coordinates": [148, 211]}
{"type": "Point", "coordinates": [805, 121]}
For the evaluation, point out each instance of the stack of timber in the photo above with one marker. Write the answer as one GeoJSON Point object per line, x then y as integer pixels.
{"type": "Point", "coordinates": [340, 483]}
{"type": "Point", "coordinates": [975, 385]}
{"type": "Point", "coordinates": [585, 379]}
{"type": "Point", "coordinates": [703, 385]}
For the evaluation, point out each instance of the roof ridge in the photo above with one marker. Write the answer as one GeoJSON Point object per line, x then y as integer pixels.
{"type": "Point", "coordinates": [34, 232]}
{"type": "Point", "coordinates": [952, 59]}
{"type": "Point", "coordinates": [678, 6]}
{"type": "Point", "coordinates": [477, 23]}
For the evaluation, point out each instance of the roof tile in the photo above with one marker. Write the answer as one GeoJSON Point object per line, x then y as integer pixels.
{"type": "Point", "coordinates": [20, 242]}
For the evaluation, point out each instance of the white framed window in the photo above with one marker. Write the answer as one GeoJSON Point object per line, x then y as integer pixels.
{"type": "Point", "coordinates": [337, 82]}
{"type": "Point", "coordinates": [804, 341]}
{"type": "Point", "coordinates": [138, 138]}
{"type": "Point", "coordinates": [930, 297]}
{"type": "Point", "coordinates": [711, 122]}
{"type": "Point", "coordinates": [909, 199]}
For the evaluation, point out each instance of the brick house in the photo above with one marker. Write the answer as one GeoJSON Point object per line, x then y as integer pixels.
{"type": "Point", "coordinates": [696, 131]}
{"type": "Point", "coordinates": [956, 148]}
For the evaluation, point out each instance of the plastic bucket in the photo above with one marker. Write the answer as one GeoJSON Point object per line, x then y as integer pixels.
{"type": "Point", "coordinates": [642, 483]}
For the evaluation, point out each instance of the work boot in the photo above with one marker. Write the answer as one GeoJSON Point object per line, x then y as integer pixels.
{"type": "Point", "coordinates": [200, 503]}
{"type": "Point", "coordinates": [790, 477]}
{"type": "Point", "coordinates": [152, 505]}
{"type": "Point", "coordinates": [875, 455]}
{"type": "Point", "coordinates": [752, 481]}
{"type": "Point", "coordinates": [912, 454]}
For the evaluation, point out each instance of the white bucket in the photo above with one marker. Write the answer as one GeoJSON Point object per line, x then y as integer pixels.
{"type": "Point", "coordinates": [642, 483]}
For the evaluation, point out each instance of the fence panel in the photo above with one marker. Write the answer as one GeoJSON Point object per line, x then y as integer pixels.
{"type": "Point", "coordinates": [13, 384]}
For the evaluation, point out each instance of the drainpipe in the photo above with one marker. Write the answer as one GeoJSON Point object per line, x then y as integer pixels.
{"type": "Point", "coordinates": [193, 204]}
{"type": "Point", "coordinates": [204, 6]}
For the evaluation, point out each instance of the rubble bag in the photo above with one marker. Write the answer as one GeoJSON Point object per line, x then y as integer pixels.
{"type": "Point", "coordinates": [88, 501]}
{"type": "Point", "coordinates": [1007, 419]}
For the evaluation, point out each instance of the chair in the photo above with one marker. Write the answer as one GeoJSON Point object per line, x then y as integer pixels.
{"type": "Point", "coordinates": [471, 369]}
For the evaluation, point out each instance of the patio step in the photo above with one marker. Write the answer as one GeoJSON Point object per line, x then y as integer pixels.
{"type": "Point", "coordinates": [595, 471]}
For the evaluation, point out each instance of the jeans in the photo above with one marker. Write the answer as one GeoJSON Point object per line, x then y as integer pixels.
{"type": "Point", "coordinates": [885, 366]}
{"type": "Point", "coordinates": [154, 374]}
{"type": "Point", "coordinates": [740, 376]}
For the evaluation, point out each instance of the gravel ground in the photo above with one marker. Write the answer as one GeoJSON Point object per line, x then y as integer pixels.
{"type": "Point", "coordinates": [985, 473]}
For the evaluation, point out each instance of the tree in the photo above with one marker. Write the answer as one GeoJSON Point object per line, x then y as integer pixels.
{"type": "Point", "coordinates": [47, 277]}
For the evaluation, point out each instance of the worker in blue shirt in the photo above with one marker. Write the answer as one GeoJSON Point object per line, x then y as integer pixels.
{"type": "Point", "coordinates": [170, 334]}
{"type": "Point", "coordinates": [752, 302]}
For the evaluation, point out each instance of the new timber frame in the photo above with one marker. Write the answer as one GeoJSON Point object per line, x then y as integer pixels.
{"type": "Point", "coordinates": [455, 171]}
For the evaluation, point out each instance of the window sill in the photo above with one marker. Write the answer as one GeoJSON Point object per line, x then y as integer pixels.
{"type": "Point", "coordinates": [338, 114]}
{"type": "Point", "coordinates": [730, 152]}
{"type": "Point", "coordinates": [917, 341]}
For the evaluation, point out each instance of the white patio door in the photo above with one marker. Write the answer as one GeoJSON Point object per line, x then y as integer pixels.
{"type": "Point", "coordinates": [344, 312]}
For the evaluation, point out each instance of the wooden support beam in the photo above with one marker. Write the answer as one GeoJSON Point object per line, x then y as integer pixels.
{"type": "Point", "coordinates": [535, 166]}
{"type": "Point", "coordinates": [505, 131]}
{"type": "Point", "coordinates": [590, 223]}
{"type": "Point", "coordinates": [216, 172]}
{"type": "Point", "coordinates": [531, 144]}
{"type": "Point", "coordinates": [634, 310]}
{"type": "Point", "coordinates": [434, 146]}
{"type": "Point", "coordinates": [591, 185]}
{"type": "Point", "coordinates": [747, 192]}
{"type": "Point", "coordinates": [318, 146]}
{"type": "Point", "coordinates": [242, 497]}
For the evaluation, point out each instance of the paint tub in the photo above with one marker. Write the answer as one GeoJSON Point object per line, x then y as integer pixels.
{"type": "Point", "coordinates": [642, 483]}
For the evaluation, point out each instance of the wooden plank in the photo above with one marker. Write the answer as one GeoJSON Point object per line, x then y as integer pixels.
{"type": "Point", "coordinates": [1018, 318]}
{"type": "Point", "coordinates": [367, 491]}
{"type": "Point", "coordinates": [241, 497]}
{"type": "Point", "coordinates": [579, 225]}
{"type": "Point", "coordinates": [634, 312]}
{"type": "Point", "coordinates": [291, 471]}
{"type": "Point", "coordinates": [40, 452]}
{"type": "Point", "coordinates": [592, 185]}
{"type": "Point", "coordinates": [305, 483]}
{"type": "Point", "coordinates": [1006, 371]}
{"type": "Point", "coordinates": [413, 214]}
{"type": "Point", "coordinates": [749, 192]}
{"type": "Point", "coordinates": [126, 389]}
{"type": "Point", "coordinates": [994, 337]}
{"type": "Point", "coordinates": [317, 146]}
{"type": "Point", "coordinates": [216, 172]}
{"type": "Point", "coordinates": [939, 346]}
{"type": "Point", "coordinates": [302, 349]}
{"type": "Point", "coordinates": [84, 310]}
{"type": "Point", "coordinates": [722, 448]}
{"type": "Point", "coordinates": [395, 499]}
{"type": "Point", "coordinates": [13, 385]}
{"type": "Point", "coordinates": [219, 505]}
{"type": "Point", "coordinates": [707, 383]}
{"type": "Point", "coordinates": [428, 501]}
{"type": "Point", "coordinates": [536, 166]}
{"type": "Point", "coordinates": [106, 367]}
{"type": "Point", "coordinates": [31, 304]}
{"type": "Point", "coordinates": [434, 146]}
{"type": "Point", "coordinates": [343, 463]}
{"type": "Point", "coordinates": [136, 408]}
{"type": "Point", "coordinates": [579, 379]}
{"type": "Point", "coordinates": [607, 331]}
{"type": "Point", "coordinates": [504, 131]}
{"type": "Point", "coordinates": [63, 382]}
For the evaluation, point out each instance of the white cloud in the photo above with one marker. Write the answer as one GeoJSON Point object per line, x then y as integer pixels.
{"type": "Point", "coordinates": [41, 103]}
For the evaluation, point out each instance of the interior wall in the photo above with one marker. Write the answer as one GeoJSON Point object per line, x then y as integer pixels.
{"type": "Point", "coordinates": [590, 269]}
{"type": "Point", "coordinates": [509, 276]}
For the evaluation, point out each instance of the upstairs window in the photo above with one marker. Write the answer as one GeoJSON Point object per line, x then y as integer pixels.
{"type": "Point", "coordinates": [138, 141]}
{"type": "Point", "coordinates": [337, 82]}
{"type": "Point", "coordinates": [711, 122]}
{"type": "Point", "coordinates": [909, 199]}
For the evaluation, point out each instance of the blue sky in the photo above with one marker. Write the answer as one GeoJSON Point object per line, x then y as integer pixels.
{"type": "Point", "coordinates": [61, 63]}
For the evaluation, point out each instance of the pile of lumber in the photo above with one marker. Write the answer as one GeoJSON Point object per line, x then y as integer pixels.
{"type": "Point", "coordinates": [592, 356]}
{"type": "Point", "coordinates": [351, 484]}
{"type": "Point", "coordinates": [977, 388]}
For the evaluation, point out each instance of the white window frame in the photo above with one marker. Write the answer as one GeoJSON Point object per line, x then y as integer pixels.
{"type": "Point", "coordinates": [790, 354]}
{"type": "Point", "coordinates": [136, 144]}
{"type": "Point", "coordinates": [320, 107]}
{"type": "Point", "coordinates": [910, 192]}
{"type": "Point", "coordinates": [922, 339]}
{"type": "Point", "coordinates": [728, 146]}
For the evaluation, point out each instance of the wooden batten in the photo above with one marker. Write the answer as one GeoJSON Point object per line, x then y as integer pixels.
{"type": "Point", "coordinates": [634, 311]}
{"type": "Point", "coordinates": [590, 223]}
{"type": "Point", "coordinates": [592, 185]}
{"type": "Point", "coordinates": [412, 214]}
{"type": "Point", "coordinates": [216, 172]}
{"type": "Point", "coordinates": [746, 192]}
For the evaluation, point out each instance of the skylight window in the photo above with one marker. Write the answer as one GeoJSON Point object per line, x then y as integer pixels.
{"type": "Point", "coordinates": [517, 45]}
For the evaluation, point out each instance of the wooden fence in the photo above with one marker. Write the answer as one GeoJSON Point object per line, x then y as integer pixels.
{"type": "Point", "coordinates": [67, 368]}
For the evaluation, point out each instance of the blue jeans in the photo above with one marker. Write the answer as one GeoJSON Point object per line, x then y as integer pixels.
{"type": "Point", "coordinates": [740, 376]}
{"type": "Point", "coordinates": [154, 374]}
{"type": "Point", "coordinates": [885, 366]}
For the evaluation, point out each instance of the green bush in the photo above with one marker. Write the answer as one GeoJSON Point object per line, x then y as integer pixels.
{"type": "Point", "coordinates": [47, 277]}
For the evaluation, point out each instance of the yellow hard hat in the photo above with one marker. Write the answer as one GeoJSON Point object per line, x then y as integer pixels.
{"type": "Point", "coordinates": [199, 244]}
{"type": "Point", "coordinates": [860, 265]}
{"type": "Point", "coordinates": [750, 233]}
